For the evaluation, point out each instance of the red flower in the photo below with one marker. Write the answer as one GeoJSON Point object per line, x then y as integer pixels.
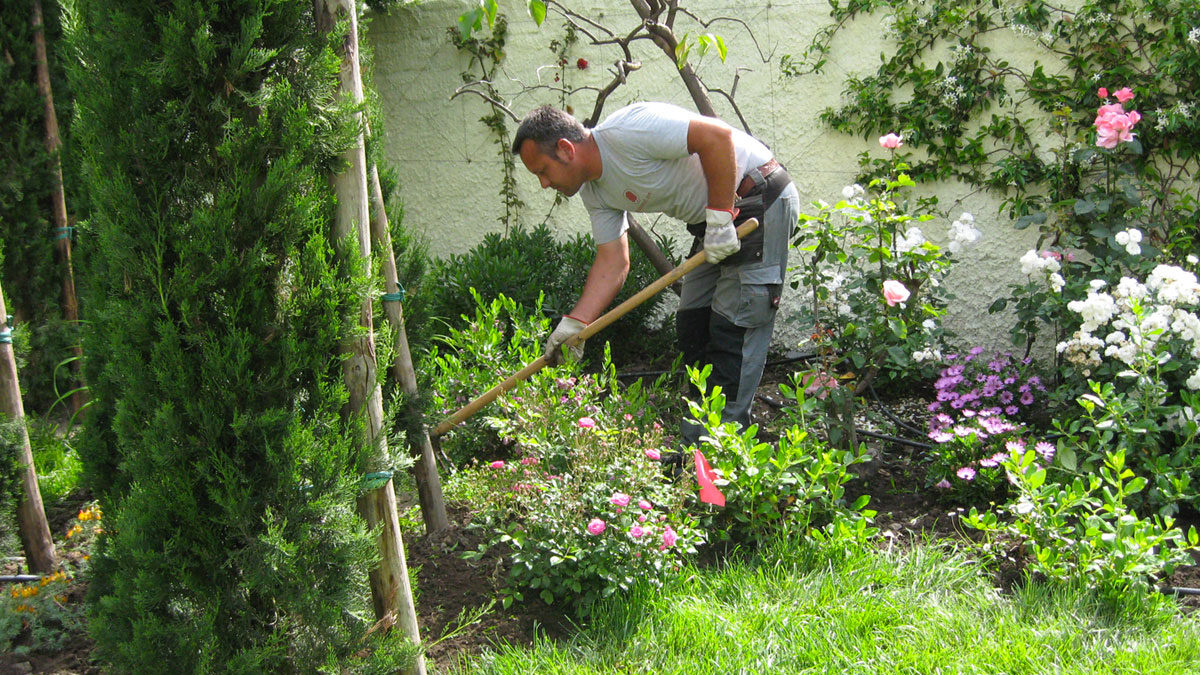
{"type": "Point", "coordinates": [581, 63]}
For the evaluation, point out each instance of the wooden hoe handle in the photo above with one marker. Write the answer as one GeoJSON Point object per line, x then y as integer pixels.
{"type": "Point", "coordinates": [591, 329]}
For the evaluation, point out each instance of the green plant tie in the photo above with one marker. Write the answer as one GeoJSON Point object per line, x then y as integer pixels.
{"type": "Point", "coordinates": [6, 336]}
{"type": "Point", "coordinates": [63, 232]}
{"type": "Point", "coordinates": [398, 296]}
{"type": "Point", "coordinates": [376, 480]}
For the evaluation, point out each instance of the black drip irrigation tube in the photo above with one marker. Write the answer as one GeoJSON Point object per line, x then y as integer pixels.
{"type": "Point", "coordinates": [871, 434]}
{"type": "Point", "coordinates": [19, 578]}
{"type": "Point", "coordinates": [790, 357]}
{"type": "Point", "coordinates": [1178, 590]}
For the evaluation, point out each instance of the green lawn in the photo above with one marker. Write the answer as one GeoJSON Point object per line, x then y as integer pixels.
{"type": "Point", "coordinates": [801, 608]}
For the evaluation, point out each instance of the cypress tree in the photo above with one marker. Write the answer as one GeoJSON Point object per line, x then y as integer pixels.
{"type": "Point", "coordinates": [217, 444]}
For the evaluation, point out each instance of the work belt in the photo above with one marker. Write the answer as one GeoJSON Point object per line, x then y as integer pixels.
{"type": "Point", "coordinates": [754, 197]}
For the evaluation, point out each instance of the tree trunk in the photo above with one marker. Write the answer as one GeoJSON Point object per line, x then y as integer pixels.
{"type": "Point", "coordinates": [390, 587]}
{"type": "Point", "coordinates": [59, 204]}
{"type": "Point", "coordinates": [429, 484]}
{"type": "Point", "coordinates": [31, 516]}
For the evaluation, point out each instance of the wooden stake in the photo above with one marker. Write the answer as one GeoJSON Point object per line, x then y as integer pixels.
{"type": "Point", "coordinates": [594, 327]}
{"type": "Point", "coordinates": [429, 484]}
{"type": "Point", "coordinates": [59, 204]}
{"type": "Point", "coordinates": [31, 516]}
{"type": "Point", "coordinates": [391, 590]}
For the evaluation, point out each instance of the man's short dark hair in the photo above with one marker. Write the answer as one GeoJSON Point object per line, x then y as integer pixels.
{"type": "Point", "coordinates": [544, 125]}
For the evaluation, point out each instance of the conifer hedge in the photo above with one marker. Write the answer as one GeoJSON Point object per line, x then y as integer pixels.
{"type": "Point", "coordinates": [217, 444]}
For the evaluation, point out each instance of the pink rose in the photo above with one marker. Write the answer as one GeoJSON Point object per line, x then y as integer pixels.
{"type": "Point", "coordinates": [497, 464]}
{"type": "Point", "coordinates": [653, 454]}
{"type": "Point", "coordinates": [636, 532]}
{"type": "Point", "coordinates": [586, 423]}
{"type": "Point", "coordinates": [641, 518]}
{"type": "Point", "coordinates": [891, 141]}
{"type": "Point", "coordinates": [669, 538]}
{"type": "Point", "coordinates": [1123, 94]}
{"type": "Point", "coordinates": [620, 499]}
{"type": "Point", "coordinates": [1102, 92]}
{"type": "Point", "coordinates": [1114, 125]}
{"type": "Point", "coordinates": [596, 527]}
{"type": "Point", "coordinates": [894, 292]}
{"type": "Point", "coordinates": [644, 505]}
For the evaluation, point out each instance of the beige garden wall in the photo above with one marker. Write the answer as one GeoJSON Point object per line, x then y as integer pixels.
{"type": "Point", "coordinates": [450, 167]}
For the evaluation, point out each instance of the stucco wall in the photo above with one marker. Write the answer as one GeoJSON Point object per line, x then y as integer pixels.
{"type": "Point", "coordinates": [450, 169]}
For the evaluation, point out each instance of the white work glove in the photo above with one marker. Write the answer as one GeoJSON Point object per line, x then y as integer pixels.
{"type": "Point", "coordinates": [567, 328]}
{"type": "Point", "coordinates": [720, 237]}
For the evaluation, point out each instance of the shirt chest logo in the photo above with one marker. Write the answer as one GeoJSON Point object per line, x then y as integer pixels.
{"type": "Point", "coordinates": [631, 197]}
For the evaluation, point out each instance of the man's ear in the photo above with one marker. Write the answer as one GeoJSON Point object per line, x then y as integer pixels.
{"type": "Point", "coordinates": [565, 150]}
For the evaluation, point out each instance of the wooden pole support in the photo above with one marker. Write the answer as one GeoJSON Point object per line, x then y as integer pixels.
{"type": "Point", "coordinates": [594, 327]}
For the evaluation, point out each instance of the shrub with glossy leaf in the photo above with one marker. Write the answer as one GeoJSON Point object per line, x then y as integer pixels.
{"type": "Point", "coordinates": [1084, 531]}
{"type": "Point", "coordinates": [797, 484]}
{"type": "Point", "coordinates": [526, 265]}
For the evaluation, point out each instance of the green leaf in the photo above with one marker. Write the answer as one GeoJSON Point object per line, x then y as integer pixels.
{"type": "Point", "coordinates": [1067, 458]}
{"type": "Point", "coordinates": [1084, 206]}
{"type": "Point", "coordinates": [998, 305]}
{"type": "Point", "coordinates": [1029, 219]}
{"type": "Point", "coordinates": [709, 40]}
{"type": "Point", "coordinates": [469, 22]}
{"type": "Point", "coordinates": [490, 7]}
{"type": "Point", "coordinates": [547, 597]}
{"type": "Point", "coordinates": [537, 10]}
{"type": "Point", "coordinates": [681, 52]}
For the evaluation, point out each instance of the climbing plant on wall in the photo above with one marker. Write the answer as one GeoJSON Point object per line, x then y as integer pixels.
{"type": "Point", "coordinates": [1030, 131]}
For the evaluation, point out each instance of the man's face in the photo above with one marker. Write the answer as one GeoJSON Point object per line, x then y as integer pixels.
{"type": "Point", "coordinates": [559, 171]}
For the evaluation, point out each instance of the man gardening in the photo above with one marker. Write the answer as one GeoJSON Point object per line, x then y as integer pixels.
{"type": "Point", "coordinates": [657, 157]}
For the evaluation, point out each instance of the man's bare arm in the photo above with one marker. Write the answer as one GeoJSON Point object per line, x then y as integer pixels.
{"type": "Point", "coordinates": [605, 279]}
{"type": "Point", "coordinates": [713, 142]}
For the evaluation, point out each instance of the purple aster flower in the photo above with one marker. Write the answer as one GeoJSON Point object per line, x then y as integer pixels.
{"type": "Point", "coordinates": [1011, 410]}
{"type": "Point", "coordinates": [943, 484]}
{"type": "Point", "coordinates": [935, 406]}
{"type": "Point", "coordinates": [946, 395]}
{"type": "Point", "coordinates": [1045, 450]}
{"type": "Point", "coordinates": [940, 436]}
{"type": "Point", "coordinates": [1027, 398]}
{"type": "Point", "coordinates": [1006, 397]}
{"type": "Point", "coordinates": [976, 351]}
{"type": "Point", "coordinates": [957, 403]}
{"type": "Point", "coordinates": [966, 473]}
{"type": "Point", "coordinates": [989, 462]}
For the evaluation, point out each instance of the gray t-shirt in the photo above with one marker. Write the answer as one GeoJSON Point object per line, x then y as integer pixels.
{"type": "Point", "coordinates": [647, 167]}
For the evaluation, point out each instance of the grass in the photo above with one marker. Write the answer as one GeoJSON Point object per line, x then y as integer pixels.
{"type": "Point", "coordinates": [806, 608]}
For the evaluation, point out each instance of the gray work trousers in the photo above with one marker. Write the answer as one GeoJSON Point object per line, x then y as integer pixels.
{"type": "Point", "coordinates": [727, 311]}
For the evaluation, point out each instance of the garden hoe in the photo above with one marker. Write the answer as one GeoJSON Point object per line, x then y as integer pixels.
{"type": "Point", "coordinates": [592, 328]}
